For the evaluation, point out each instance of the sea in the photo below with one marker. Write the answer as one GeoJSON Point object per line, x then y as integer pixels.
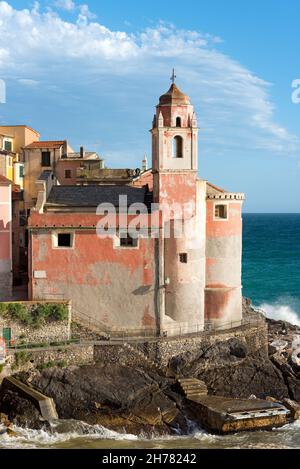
{"type": "Point", "coordinates": [271, 278]}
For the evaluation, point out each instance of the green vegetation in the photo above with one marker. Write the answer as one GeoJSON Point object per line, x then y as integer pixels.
{"type": "Point", "coordinates": [52, 364]}
{"type": "Point", "coordinates": [21, 358]}
{"type": "Point", "coordinates": [1, 367]}
{"type": "Point", "coordinates": [36, 315]}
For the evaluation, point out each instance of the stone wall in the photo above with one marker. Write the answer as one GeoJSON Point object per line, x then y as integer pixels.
{"type": "Point", "coordinates": [162, 350]}
{"type": "Point", "coordinates": [26, 360]}
{"type": "Point", "coordinates": [57, 331]}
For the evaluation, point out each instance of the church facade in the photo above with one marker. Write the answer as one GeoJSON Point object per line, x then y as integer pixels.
{"type": "Point", "coordinates": [181, 270]}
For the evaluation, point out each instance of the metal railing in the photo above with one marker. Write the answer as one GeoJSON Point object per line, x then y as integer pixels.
{"type": "Point", "coordinates": [115, 337]}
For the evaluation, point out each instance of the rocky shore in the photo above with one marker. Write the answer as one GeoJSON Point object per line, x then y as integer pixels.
{"type": "Point", "coordinates": [140, 400]}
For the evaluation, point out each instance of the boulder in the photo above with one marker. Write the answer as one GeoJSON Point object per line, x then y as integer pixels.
{"type": "Point", "coordinates": [293, 407]}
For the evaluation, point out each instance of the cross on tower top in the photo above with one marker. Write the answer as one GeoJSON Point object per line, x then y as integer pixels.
{"type": "Point", "coordinates": [173, 77]}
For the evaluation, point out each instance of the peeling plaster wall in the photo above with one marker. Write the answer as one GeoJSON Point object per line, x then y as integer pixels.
{"type": "Point", "coordinates": [223, 297]}
{"type": "Point", "coordinates": [109, 285]}
{"type": "Point", "coordinates": [185, 294]}
{"type": "Point", "coordinates": [5, 241]}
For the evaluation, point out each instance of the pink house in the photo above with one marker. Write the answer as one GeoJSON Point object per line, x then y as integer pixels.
{"type": "Point", "coordinates": [5, 237]}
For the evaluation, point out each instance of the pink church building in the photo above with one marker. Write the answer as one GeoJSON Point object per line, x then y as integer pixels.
{"type": "Point", "coordinates": [170, 282]}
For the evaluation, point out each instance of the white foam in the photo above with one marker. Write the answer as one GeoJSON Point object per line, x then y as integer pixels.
{"type": "Point", "coordinates": [280, 312]}
{"type": "Point", "coordinates": [28, 438]}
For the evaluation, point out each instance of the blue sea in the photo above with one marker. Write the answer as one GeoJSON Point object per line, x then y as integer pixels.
{"type": "Point", "coordinates": [271, 263]}
{"type": "Point", "coordinates": [271, 278]}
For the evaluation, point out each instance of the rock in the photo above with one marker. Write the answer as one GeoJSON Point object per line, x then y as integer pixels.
{"type": "Point", "coordinates": [294, 407]}
{"type": "Point", "coordinates": [238, 349]}
{"type": "Point", "coordinates": [254, 375]}
{"type": "Point", "coordinates": [11, 432]}
{"type": "Point", "coordinates": [4, 420]}
{"type": "Point", "coordinates": [115, 396]}
{"type": "Point", "coordinates": [271, 399]}
{"type": "Point", "coordinates": [20, 411]}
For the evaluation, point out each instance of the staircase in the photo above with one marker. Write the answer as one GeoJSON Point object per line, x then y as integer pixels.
{"type": "Point", "coordinates": [144, 359]}
{"type": "Point", "coordinates": [192, 388]}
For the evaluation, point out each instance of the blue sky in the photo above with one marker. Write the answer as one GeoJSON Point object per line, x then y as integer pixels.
{"type": "Point", "coordinates": [92, 72]}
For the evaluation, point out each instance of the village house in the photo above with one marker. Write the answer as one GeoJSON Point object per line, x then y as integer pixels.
{"type": "Point", "coordinates": [163, 284]}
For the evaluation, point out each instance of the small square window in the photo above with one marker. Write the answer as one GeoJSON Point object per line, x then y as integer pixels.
{"type": "Point", "coordinates": [68, 174]}
{"type": "Point", "coordinates": [128, 242]}
{"type": "Point", "coordinates": [221, 212]}
{"type": "Point", "coordinates": [46, 158]}
{"type": "Point", "coordinates": [64, 240]}
{"type": "Point", "coordinates": [183, 257]}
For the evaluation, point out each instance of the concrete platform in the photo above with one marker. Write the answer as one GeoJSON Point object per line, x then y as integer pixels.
{"type": "Point", "coordinates": [225, 415]}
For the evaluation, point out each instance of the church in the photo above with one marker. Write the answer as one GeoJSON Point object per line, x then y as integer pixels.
{"type": "Point", "coordinates": [165, 284]}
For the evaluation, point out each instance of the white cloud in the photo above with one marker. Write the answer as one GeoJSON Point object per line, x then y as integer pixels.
{"type": "Point", "coordinates": [65, 4]}
{"type": "Point", "coordinates": [28, 82]}
{"type": "Point", "coordinates": [235, 104]}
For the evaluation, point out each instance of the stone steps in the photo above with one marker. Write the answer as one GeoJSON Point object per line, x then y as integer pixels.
{"type": "Point", "coordinates": [192, 388]}
{"type": "Point", "coordinates": [150, 363]}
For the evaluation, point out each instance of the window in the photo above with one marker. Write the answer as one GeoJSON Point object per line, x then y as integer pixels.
{"type": "Point", "coordinates": [8, 145]}
{"type": "Point", "coordinates": [21, 171]}
{"type": "Point", "coordinates": [46, 158]}
{"type": "Point", "coordinates": [64, 240]}
{"type": "Point", "coordinates": [128, 242]}
{"type": "Point", "coordinates": [221, 212]}
{"type": "Point", "coordinates": [68, 174]}
{"type": "Point", "coordinates": [183, 257]}
{"type": "Point", "coordinates": [178, 147]}
{"type": "Point", "coordinates": [178, 121]}
{"type": "Point", "coordinates": [124, 240]}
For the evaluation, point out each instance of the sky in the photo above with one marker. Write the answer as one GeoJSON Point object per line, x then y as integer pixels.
{"type": "Point", "coordinates": [92, 72]}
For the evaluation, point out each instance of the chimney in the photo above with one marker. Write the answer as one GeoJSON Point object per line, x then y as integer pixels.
{"type": "Point", "coordinates": [82, 152]}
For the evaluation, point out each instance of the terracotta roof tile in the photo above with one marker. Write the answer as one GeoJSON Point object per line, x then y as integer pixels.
{"type": "Point", "coordinates": [46, 144]}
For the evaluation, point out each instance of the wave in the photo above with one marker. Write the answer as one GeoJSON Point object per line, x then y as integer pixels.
{"type": "Point", "coordinates": [283, 312]}
{"type": "Point", "coordinates": [61, 431]}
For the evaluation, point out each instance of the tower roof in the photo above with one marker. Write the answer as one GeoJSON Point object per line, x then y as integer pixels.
{"type": "Point", "coordinates": [174, 96]}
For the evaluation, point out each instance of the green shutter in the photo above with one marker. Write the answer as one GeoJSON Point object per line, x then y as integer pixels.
{"type": "Point", "coordinates": [6, 334]}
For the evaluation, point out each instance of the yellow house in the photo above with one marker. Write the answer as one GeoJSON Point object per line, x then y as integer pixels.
{"type": "Point", "coordinates": [13, 138]}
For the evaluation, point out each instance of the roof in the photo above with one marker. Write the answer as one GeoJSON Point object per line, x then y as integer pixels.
{"type": "Point", "coordinates": [174, 96]}
{"type": "Point", "coordinates": [26, 126]}
{"type": "Point", "coordinates": [46, 144]}
{"type": "Point", "coordinates": [44, 176]}
{"type": "Point", "coordinates": [88, 155]}
{"type": "Point", "coordinates": [216, 193]}
{"type": "Point", "coordinates": [7, 182]}
{"type": "Point", "coordinates": [4, 181]}
{"type": "Point", "coordinates": [212, 189]}
{"type": "Point", "coordinates": [92, 196]}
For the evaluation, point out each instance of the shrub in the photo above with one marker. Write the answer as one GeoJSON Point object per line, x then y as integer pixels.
{"type": "Point", "coordinates": [19, 312]}
{"type": "Point", "coordinates": [21, 358]}
{"type": "Point", "coordinates": [3, 309]}
{"type": "Point", "coordinates": [35, 316]}
{"type": "Point", "coordinates": [49, 312]}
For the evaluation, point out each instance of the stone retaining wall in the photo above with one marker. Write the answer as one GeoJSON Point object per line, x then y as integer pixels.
{"type": "Point", "coordinates": [60, 356]}
{"type": "Point", "coordinates": [161, 351]}
{"type": "Point", "coordinates": [58, 331]}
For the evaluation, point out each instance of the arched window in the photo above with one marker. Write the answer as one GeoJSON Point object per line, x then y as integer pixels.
{"type": "Point", "coordinates": [178, 147]}
{"type": "Point", "coordinates": [178, 121]}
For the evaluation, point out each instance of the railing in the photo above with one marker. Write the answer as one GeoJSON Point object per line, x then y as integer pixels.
{"type": "Point", "coordinates": [138, 336]}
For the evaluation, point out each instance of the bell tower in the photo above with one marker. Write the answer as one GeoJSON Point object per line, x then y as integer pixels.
{"type": "Point", "coordinates": [176, 190]}
{"type": "Point", "coordinates": [174, 140]}
{"type": "Point", "coordinates": [175, 132]}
